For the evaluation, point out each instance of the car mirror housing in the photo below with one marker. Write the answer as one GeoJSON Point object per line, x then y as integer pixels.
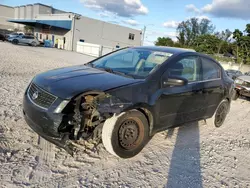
{"type": "Point", "coordinates": [175, 81]}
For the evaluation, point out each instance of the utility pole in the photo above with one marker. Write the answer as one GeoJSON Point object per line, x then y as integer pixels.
{"type": "Point", "coordinates": [143, 36]}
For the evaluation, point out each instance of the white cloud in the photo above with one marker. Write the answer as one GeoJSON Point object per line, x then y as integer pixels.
{"type": "Point", "coordinates": [203, 17]}
{"type": "Point", "coordinates": [123, 8]}
{"type": "Point", "coordinates": [106, 14]}
{"type": "Point", "coordinates": [199, 17]}
{"type": "Point", "coordinates": [229, 9]}
{"type": "Point", "coordinates": [171, 24]}
{"type": "Point", "coordinates": [148, 43]}
{"type": "Point", "coordinates": [131, 22]}
{"type": "Point", "coordinates": [192, 8]}
{"type": "Point", "coordinates": [225, 9]}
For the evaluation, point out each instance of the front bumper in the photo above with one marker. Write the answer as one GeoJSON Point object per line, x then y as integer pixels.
{"type": "Point", "coordinates": [242, 90]}
{"type": "Point", "coordinates": [44, 122]}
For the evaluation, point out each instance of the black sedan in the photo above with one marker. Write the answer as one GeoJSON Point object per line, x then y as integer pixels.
{"type": "Point", "coordinates": [127, 96]}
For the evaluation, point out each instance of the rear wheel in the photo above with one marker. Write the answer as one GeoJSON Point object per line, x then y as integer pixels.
{"type": "Point", "coordinates": [33, 44]}
{"type": "Point", "coordinates": [125, 135]}
{"type": "Point", "coordinates": [220, 114]}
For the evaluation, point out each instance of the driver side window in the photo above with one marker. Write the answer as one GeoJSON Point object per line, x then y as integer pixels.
{"type": "Point", "coordinates": [188, 67]}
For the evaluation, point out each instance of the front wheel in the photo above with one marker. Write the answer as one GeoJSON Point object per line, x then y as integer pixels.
{"type": "Point", "coordinates": [125, 135]}
{"type": "Point", "coordinates": [220, 114]}
{"type": "Point", "coordinates": [15, 41]}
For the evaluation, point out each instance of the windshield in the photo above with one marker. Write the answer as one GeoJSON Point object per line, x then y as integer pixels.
{"type": "Point", "coordinates": [137, 63]}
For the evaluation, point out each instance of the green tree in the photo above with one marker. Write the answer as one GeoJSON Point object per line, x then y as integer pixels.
{"type": "Point", "coordinates": [247, 30]}
{"type": "Point", "coordinates": [206, 44]}
{"type": "Point", "coordinates": [224, 36]}
{"type": "Point", "coordinates": [164, 41]}
{"type": "Point", "coordinates": [190, 29]}
{"type": "Point", "coordinates": [237, 34]}
{"type": "Point", "coordinates": [28, 29]}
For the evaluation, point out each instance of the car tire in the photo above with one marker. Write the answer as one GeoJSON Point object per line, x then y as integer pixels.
{"type": "Point", "coordinates": [126, 134]}
{"type": "Point", "coordinates": [235, 95]}
{"type": "Point", "coordinates": [220, 114]}
{"type": "Point", "coordinates": [15, 41]}
{"type": "Point", "coordinates": [33, 44]}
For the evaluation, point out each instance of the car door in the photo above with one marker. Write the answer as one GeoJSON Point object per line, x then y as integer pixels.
{"type": "Point", "coordinates": [179, 104]}
{"type": "Point", "coordinates": [213, 91]}
{"type": "Point", "coordinates": [21, 39]}
{"type": "Point", "coordinates": [31, 39]}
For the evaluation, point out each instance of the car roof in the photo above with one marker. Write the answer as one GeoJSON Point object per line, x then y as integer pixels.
{"type": "Point", "coordinates": [171, 50]}
{"type": "Point", "coordinates": [245, 78]}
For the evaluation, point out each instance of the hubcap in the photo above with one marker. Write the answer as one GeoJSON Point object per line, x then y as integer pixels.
{"type": "Point", "coordinates": [130, 134]}
{"type": "Point", "coordinates": [221, 114]}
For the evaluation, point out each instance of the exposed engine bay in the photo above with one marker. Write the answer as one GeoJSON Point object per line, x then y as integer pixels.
{"type": "Point", "coordinates": [85, 115]}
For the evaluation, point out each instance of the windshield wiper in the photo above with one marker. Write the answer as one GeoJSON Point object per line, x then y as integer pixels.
{"type": "Point", "coordinates": [89, 64]}
{"type": "Point", "coordinates": [107, 69]}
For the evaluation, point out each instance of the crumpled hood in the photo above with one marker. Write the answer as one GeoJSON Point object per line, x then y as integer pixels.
{"type": "Point", "coordinates": [70, 81]}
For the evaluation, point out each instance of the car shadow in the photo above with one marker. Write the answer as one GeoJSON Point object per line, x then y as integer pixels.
{"type": "Point", "coordinates": [244, 98]}
{"type": "Point", "coordinates": [185, 170]}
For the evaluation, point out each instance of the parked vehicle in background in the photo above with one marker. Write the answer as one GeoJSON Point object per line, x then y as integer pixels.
{"type": "Point", "coordinates": [25, 39]}
{"type": "Point", "coordinates": [127, 96]}
{"type": "Point", "coordinates": [242, 87]}
{"type": "Point", "coordinates": [2, 37]}
{"type": "Point", "coordinates": [233, 73]}
{"type": "Point", "coordinates": [10, 39]}
{"type": "Point", "coordinates": [13, 35]}
{"type": "Point", "coordinates": [247, 73]}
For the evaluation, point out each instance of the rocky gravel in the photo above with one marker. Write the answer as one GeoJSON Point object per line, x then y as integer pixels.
{"type": "Point", "coordinates": [194, 155]}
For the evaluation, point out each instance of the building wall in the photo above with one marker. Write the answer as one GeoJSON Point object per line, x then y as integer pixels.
{"type": "Point", "coordinates": [103, 33]}
{"type": "Point", "coordinates": [57, 11]}
{"type": "Point", "coordinates": [35, 10]}
{"type": "Point", "coordinates": [29, 12]}
{"type": "Point", "coordinates": [6, 13]}
{"type": "Point", "coordinates": [60, 34]}
{"type": "Point", "coordinates": [16, 15]}
{"type": "Point", "coordinates": [32, 11]}
{"type": "Point", "coordinates": [22, 14]}
{"type": "Point", "coordinates": [43, 9]}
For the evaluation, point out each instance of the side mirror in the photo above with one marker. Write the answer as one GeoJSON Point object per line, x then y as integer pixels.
{"type": "Point", "coordinates": [175, 81]}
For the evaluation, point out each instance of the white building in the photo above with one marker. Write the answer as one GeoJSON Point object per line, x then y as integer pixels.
{"type": "Point", "coordinates": [69, 28]}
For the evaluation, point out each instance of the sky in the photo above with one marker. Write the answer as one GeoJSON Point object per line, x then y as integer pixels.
{"type": "Point", "coordinates": [161, 17]}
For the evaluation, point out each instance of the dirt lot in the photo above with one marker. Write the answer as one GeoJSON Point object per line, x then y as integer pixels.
{"type": "Point", "coordinates": [194, 155]}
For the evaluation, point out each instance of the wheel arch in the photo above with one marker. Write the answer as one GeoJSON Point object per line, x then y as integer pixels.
{"type": "Point", "coordinates": [149, 116]}
{"type": "Point", "coordinates": [147, 111]}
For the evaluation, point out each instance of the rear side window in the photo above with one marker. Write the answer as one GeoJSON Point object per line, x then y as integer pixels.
{"type": "Point", "coordinates": [210, 69]}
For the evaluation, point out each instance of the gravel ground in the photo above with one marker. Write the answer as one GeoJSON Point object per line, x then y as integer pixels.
{"type": "Point", "coordinates": [194, 155]}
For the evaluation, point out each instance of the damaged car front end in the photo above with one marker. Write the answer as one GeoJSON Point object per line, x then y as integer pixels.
{"type": "Point", "coordinates": [67, 122]}
{"type": "Point", "coordinates": [78, 107]}
{"type": "Point", "coordinates": [242, 86]}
